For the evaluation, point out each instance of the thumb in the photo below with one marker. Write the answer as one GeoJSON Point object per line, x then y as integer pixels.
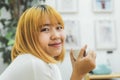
{"type": "Point", "coordinates": [82, 52]}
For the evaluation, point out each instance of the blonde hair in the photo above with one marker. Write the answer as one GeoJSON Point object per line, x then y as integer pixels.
{"type": "Point", "coordinates": [28, 28]}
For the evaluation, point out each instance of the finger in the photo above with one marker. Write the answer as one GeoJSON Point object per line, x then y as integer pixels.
{"type": "Point", "coordinates": [92, 54]}
{"type": "Point", "coordinates": [71, 56]}
{"type": "Point", "coordinates": [82, 52]}
{"type": "Point", "coordinates": [93, 57]}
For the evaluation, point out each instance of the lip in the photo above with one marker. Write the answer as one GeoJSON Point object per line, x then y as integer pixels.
{"type": "Point", "coordinates": [55, 44]}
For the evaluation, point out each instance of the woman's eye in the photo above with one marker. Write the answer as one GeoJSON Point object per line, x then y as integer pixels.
{"type": "Point", "coordinates": [45, 30]}
{"type": "Point", "coordinates": [59, 27]}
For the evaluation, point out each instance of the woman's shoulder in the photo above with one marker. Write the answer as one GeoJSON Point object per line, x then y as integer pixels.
{"type": "Point", "coordinates": [22, 62]}
{"type": "Point", "coordinates": [29, 67]}
{"type": "Point", "coordinates": [20, 69]}
{"type": "Point", "coordinates": [30, 59]}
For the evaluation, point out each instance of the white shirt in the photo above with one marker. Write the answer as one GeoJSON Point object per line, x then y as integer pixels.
{"type": "Point", "coordinates": [29, 67]}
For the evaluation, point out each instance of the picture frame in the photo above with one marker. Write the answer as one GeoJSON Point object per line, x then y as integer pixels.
{"type": "Point", "coordinates": [72, 30]}
{"type": "Point", "coordinates": [105, 34]}
{"type": "Point", "coordinates": [103, 5]}
{"type": "Point", "coordinates": [67, 6]}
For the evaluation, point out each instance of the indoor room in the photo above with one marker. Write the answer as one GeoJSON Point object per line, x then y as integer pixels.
{"type": "Point", "coordinates": [94, 23]}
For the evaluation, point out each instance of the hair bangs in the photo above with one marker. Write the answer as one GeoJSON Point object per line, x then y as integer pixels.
{"type": "Point", "coordinates": [54, 17]}
{"type": "Point", "coordinates": [42, 15]}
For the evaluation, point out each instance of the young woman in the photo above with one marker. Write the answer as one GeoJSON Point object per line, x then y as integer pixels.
{"type": "Point", "coordinates": [39, 45]}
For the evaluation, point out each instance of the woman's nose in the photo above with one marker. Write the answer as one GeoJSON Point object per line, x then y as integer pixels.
{"type": "Point", "coordinates": [55, 35]}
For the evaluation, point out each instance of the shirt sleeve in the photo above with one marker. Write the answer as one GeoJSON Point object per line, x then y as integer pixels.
{"type": "Point", "coordinates": [20, 69]}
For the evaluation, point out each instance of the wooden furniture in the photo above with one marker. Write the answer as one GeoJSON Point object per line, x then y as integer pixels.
{"type": "Point", "coordinates": [100, 77]}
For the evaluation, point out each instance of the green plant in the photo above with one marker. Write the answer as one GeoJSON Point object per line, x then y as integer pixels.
{"type": "Point", "coordinates": [7, 30]}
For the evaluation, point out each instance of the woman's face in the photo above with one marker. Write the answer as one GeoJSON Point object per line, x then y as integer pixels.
{"type": "Point", "coordinates": [52, 38]}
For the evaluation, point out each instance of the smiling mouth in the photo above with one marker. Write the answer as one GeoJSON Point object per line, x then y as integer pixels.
{"type": "Point", "coordinates": [55, 44]}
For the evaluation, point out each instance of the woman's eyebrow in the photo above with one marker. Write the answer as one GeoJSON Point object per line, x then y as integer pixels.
{"type": "Point", "coordinates": [46, 24]}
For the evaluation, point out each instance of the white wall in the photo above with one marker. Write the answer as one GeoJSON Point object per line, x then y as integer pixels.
{"type": "Point", "coordinates": [87, 30]}
{"type": "Point", "coordinates": [87, 17]}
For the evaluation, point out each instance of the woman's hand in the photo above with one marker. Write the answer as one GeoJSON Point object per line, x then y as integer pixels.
{"type": "Point", "coordinates": [82, 64]}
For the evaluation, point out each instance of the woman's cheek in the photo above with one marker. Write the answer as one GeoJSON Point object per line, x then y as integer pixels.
{"type": "Point", "coordinates": [63, 36]}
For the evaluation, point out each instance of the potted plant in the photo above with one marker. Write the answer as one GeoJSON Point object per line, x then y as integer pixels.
{"type": "Point", "coordinates": [8, 25]}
